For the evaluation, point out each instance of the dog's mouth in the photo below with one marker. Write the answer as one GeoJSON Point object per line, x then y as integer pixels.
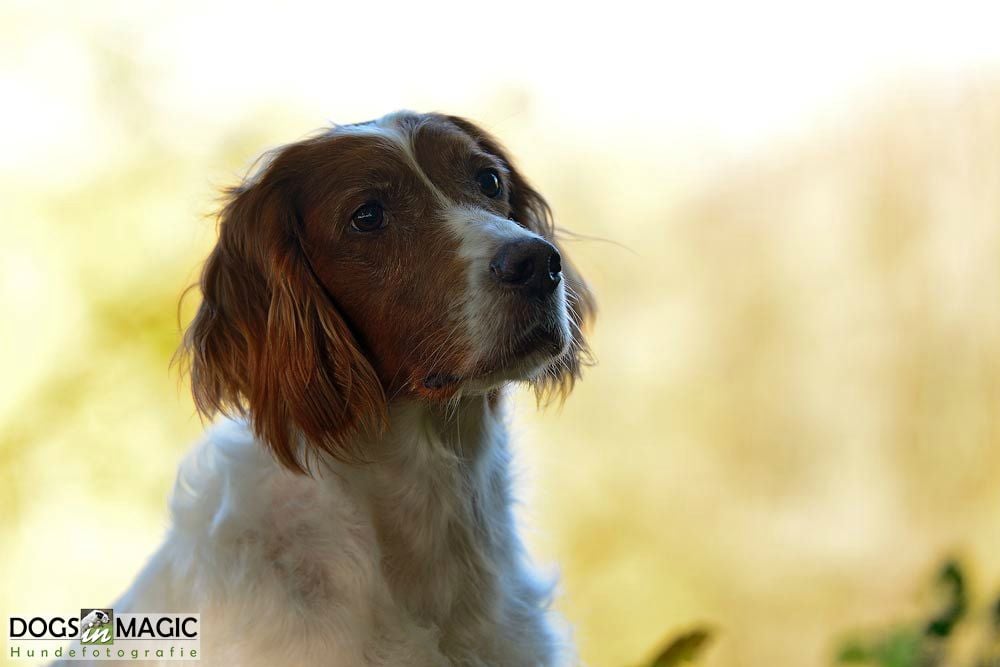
{"type": "Point", "coordinates": [517, 361]}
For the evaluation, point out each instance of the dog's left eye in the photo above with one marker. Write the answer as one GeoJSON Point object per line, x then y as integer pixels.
{"type": "Point", "coordinates": [368, 218]}
{"type": "Point", "coordinates": [489, 182]}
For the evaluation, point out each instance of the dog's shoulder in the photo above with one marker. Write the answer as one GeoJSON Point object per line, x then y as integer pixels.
{"type": "Point", "coordinates": [229, 490]}
{"type": "Point", "coordinates": [215, 478]}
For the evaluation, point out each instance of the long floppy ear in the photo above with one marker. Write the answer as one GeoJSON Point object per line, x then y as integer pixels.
{"type": "Point", "coordinates": [267, 342]}
{"type": "Point", "coordinates": [531, 210]}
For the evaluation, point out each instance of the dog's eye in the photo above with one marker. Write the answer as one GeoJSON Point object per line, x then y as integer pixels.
{"type": "Point", "coordinates": [368, 218]}
{"type": "Point", "coordinates": [489, 182]}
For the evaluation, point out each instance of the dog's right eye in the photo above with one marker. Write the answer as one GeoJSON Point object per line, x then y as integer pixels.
{"type": "Point", "coordinates": [368, 218]}
{"type": "Point", "coordinates": [489, 183]}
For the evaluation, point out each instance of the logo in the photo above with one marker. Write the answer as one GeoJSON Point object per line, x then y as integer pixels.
{"type": "Point", "coordinates": [97, 626]}
{"type": "Point", "coordinates": [101, 634]}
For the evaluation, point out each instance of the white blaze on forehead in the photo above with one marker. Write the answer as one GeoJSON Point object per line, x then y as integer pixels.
{"type": "Point", "coordinates": [388, 127]}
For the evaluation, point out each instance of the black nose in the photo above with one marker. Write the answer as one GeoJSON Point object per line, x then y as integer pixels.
{"type": "Point", "coordinates": [531, 265]}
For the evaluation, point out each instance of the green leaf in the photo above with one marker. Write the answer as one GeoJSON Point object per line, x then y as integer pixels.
{"type": "Point", "coordinates": [854, 651]}
{"type": "Point", "coordinates": [683, 648]}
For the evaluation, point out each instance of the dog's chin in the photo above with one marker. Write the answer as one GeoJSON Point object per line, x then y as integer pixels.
{"type": "Point", "coordinates": [522, 361]}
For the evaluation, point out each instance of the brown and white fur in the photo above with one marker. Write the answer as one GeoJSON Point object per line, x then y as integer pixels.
{"type": "Point", "coordinates": [370, 297]}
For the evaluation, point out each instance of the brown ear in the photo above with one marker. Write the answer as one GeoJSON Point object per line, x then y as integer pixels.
{"type": "Point", "coordinates": [531, 210]}
{"type": "Point", "coordinates": [267, 341]}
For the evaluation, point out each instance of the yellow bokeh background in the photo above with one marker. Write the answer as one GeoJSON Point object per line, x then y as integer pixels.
{"type": "Point", "coordinates": [793, 215]}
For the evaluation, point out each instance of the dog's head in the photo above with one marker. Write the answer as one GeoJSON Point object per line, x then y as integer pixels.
{"type": "Point", "coordinates": [403, 257]}
{"type": "Point", "coordinates": [95, 617]}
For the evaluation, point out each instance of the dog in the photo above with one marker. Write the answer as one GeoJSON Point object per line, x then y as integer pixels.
{"type": "Point", "coordinates": [374, 291]}
{"type": "Point", "coordinates": [96, 617]}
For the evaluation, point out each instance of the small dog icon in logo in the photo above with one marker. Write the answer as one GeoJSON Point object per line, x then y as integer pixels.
{"type": "Point", "coordinates": [96, 626]}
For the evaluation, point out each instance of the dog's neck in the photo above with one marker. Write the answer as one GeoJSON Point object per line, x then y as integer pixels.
{"type": "Point", "coordinates": [462, 429]}
{"type": "Point", "coordinates": [440, 500]}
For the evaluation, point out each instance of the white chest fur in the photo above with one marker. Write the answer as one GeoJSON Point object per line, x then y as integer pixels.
{"type": "Point", "coordinates": [412, 559]}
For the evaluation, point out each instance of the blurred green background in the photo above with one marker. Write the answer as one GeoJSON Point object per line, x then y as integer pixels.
{"type": "Point", "coordinates": [795, 414]}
